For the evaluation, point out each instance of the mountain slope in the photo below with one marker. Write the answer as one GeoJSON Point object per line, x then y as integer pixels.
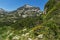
{"type": "Point", "coordinates": [51, 23]}
{"type": "Point", "coordinates": [43, 27]}
{"type": "Point", "coordinates": [19, 13]}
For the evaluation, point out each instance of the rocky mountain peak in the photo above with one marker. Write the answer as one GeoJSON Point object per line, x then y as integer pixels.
{"type": "Point", "coordinates": [1, 9]}
{"type": "Point", "coordinates": [27, 5]}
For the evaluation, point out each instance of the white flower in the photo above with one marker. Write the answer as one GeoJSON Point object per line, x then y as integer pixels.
{"type": "Point", "coordinates": [24, 29]}
{"type": "Point", "coordinates": [29, 39]}
{"type": "Point", "coordinates": [16, 37]}
{"type": "Point", "coordinates": [26, 34]}
{"type": "Point", "coordinates": [40, 36]}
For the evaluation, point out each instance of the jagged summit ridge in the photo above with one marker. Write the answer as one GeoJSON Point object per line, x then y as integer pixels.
{"type": "Point", "coordinates": [21, 12]}
{"type": "Point", "coordinates": [27, 5]}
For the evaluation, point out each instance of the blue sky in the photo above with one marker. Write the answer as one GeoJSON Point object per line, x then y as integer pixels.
{"type": "Point", "coordinates": [14, 4]}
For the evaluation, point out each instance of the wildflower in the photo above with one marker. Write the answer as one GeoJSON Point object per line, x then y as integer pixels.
{"type": "Point", "coordinates": [40, 36]}
{"type": "Point", "coordinates": [16, 37]}
{"type": "Point", "coordinates": [26, 34]}
{"type": "Point", "coordinates": [29, 39]}
{"type": "Point", "coordinates": [24, 29]}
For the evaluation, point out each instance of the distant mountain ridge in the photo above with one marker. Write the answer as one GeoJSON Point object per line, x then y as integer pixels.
{"type": "Point", "coordinates": [21, 12]}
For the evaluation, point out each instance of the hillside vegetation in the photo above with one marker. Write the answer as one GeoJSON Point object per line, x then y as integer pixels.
{"type": "Point", "coordinates": [42, 27]}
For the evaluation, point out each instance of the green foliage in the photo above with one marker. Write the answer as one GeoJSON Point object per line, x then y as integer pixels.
{"type": "Point", "coordinates": [50, 5]}
{"type": "Point", "coordinates": [31, 27]}
{"type": "Point", "coordinates": [28, 22]}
